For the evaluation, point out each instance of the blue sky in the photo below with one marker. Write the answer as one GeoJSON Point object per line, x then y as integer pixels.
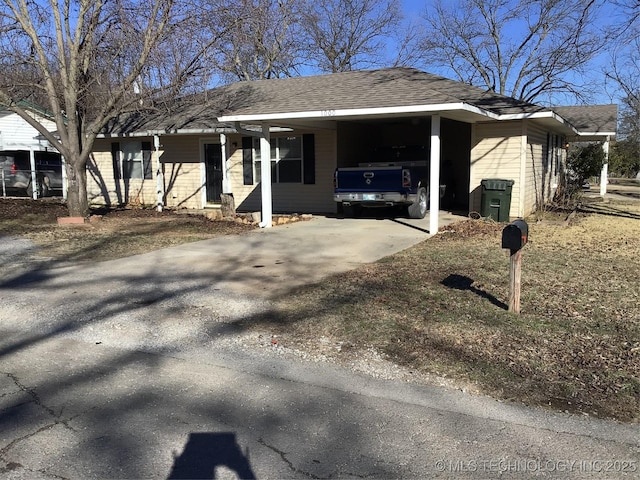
{"type": "Point", "coordinates": [608, 93]}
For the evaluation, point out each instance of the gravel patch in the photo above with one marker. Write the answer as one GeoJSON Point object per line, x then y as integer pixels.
{"type": "Point", "coordinates": [204, 325]}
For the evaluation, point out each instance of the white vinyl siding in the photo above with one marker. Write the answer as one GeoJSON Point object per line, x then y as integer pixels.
{"type": "Point", "coordinates": [17, 134]}
{"type": "Point", "coordinates": [183, 170]}
{"type": "Point", "coordinates": [182, 173]}
{"type": "Point", "coordinates": [496, 152]}
{"type": "Point", "coordinates": [544, 157]}
{"type": "Point", "coordinates": [537, 171]}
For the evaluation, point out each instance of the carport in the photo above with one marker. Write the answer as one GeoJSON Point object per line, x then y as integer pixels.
{"type": "Point", "coordinates": [444, 129]}
{"type": "Point", "coordinates": [398, 106]}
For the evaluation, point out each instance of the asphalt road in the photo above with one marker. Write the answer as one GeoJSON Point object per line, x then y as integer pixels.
{"type": "Point", "coordinates": [132, 369]}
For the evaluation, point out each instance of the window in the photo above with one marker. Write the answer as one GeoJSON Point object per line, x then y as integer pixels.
{"type": "Point", "coordinates": [132, 160]}
{"type": "Point", "coordinates": [286, 159]}
{"type": "Point", "coordinates": [293, 159]}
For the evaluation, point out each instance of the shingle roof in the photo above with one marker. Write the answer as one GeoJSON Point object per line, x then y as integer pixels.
{"type": "Point", "coordinates": [591, 118]}
{"type": "Point", "coordinates": [197, 112]}
{"type": "Point", "coordinates": [391, 87]}
{"type": "Point", "coordinates": [368, 89]}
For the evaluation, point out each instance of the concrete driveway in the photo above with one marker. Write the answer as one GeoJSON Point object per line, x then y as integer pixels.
{"type": "Point", "coordinates": [272, 261]}
{"type": "Point", "coordinates": [262, 262]}
{"type": "Point", "coordinates": [139, 368]}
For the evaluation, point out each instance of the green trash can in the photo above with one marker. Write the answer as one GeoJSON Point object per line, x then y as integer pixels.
{"type": "Point", "coordinates": [496, 199]}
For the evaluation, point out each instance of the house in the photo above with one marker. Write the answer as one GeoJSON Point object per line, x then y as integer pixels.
{"type": "Point", "coordinates": [597, 123]}
{"type": "Point", "coordinates": [26, 158]}
{"type": "Point", "coordinates": [215, 143]}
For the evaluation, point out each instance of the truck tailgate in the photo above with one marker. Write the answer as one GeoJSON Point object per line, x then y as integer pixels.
{"type": "Point", "coordinates": [378, 179]}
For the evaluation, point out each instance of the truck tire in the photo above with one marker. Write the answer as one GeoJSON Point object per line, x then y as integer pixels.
{"type": "Point", "coordinates": [418, 209]}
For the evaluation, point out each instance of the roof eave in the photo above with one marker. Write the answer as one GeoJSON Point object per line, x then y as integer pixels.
{"type": "Point", "coordinates": [597, 134]}
{"type": "Point", "coordinates": [594, 137]}
{"type": "Point", "coordinates": [544, 115]}
{"type": "Point", "coordinates": [359, 112]}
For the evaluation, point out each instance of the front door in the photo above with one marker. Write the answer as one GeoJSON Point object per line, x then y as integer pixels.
{"type": "Point", "coordinates": [213, 165]}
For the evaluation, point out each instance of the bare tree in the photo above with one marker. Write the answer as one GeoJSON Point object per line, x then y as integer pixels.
{"type": "Point", "coordinates": [348, 34]}
{"type": "Point", "coordinates": [624, 68]}
{"type": "Point", "coordinates": [520, 48]}
{"type": "Point", "coordinates": [87, 61]}
{"type": "Point", "coordinates": [262, 41]}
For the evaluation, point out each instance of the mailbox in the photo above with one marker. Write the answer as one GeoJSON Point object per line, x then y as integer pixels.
{"type": "Point", "coordinates": [515, 235]}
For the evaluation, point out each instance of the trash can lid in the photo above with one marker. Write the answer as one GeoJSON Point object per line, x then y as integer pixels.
{"type": "Point", "coordinates": [496, 183]}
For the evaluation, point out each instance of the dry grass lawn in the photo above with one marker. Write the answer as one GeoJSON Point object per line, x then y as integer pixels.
{"type": "Point", "coordinates": [438, 308]}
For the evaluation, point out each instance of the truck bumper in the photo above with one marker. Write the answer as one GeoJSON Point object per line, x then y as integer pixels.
{"type": "Point", "coordinates": [375, 199]}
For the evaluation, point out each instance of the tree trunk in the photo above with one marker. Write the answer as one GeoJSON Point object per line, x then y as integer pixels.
{"type": "Point", "coordinates": [77, 201]}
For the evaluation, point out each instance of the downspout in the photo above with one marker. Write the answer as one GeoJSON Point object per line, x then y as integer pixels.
{"type": "Point", "coordinates": [434, 187]}
{"type": "Point", "coordinates": [159, 176]}
{"type": "Point", "coordinates": [604, 174]}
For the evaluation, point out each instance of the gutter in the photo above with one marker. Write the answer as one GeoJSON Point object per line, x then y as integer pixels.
{"type": "Point", "coordinates": [177, 131]}
{"type": "Point", "coordinates": [185, 131]}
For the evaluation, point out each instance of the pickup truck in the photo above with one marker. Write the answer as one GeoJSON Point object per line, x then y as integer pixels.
{"type": "Point", "coordinates": [15, 173]}
{"type": "Point", "coordinates": [399, 183]}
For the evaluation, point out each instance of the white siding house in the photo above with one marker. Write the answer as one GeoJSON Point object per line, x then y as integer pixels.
{"type": "Point", "coordinates": [17, 134]}
{"type": "Point", "coordinates": [23, 147]}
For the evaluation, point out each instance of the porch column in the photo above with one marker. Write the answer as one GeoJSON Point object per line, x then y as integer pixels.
{"type": "Point", "coordinates": [226, 181]}
{"type": "Point", "coordinates": [34, 184]}
{"type": "Point", "coordinates": [159, 176]}
{"type": "Point", "coordinates": [604, 175]}
{"type": "Point", "coordinates": [434, 182]}
{"type": "Point", "coordinates": [265, 171]}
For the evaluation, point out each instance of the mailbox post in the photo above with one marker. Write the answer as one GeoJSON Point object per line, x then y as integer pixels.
{"type": "Point", "coordinates": [514, 237]}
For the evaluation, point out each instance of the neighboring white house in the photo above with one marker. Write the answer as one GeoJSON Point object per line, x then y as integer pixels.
{"type": "Point", "coordinates": [23, 148]}
{"type": "Point", "coordinates": [309, 126]}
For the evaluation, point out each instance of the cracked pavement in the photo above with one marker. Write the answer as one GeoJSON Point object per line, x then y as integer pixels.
{"type": "Point", "coordinates": [97, 382]}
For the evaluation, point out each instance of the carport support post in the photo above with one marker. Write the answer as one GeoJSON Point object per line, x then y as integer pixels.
{"type": "Point", "coordinates": [604, 175]}
{"type": "Point", "coordinates": [159, 176]}
{"type": "Point", "coordinates": [34, 185]}
{"type": "Point", "coordinates": [265, 181]}
{"type": "Point", "coordinates": [515, 274]}
{"type": "Point", "coordinates": [224, 145]}
{"type": "Point", "coordinates": [434, 182]}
